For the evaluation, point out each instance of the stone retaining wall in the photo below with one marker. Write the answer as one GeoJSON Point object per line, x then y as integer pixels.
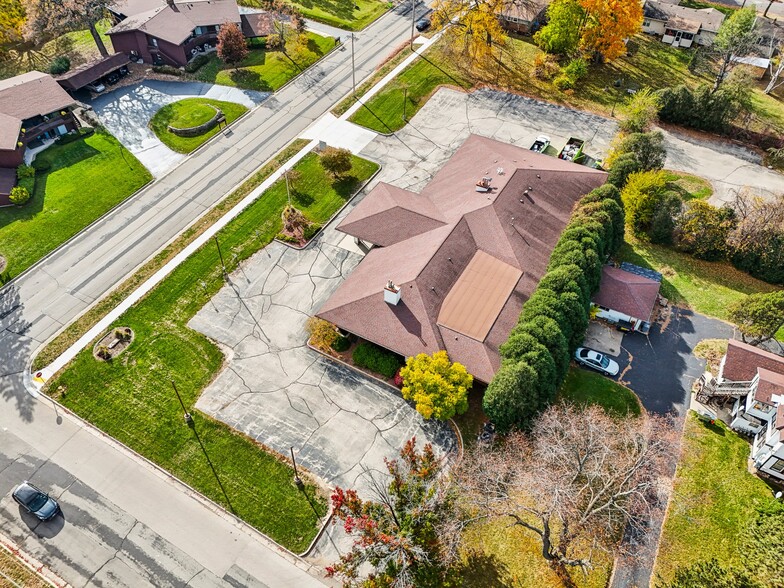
{"type": "Point", "coordinates": [202, 128]}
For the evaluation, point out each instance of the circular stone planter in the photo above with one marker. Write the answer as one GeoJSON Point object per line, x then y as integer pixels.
{"type": "Point", "coordinates": [110, 345]}
{"type": "Point", "coordinates": [199, 129]}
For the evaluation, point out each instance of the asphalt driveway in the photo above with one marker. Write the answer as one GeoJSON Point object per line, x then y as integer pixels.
{"type": "Point", "coordinates": [661, 368]}
{"type": "Point", "coordinates": [126, 112]}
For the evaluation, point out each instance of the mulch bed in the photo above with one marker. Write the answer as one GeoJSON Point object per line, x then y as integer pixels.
{"type": "Point", "coordinates": [114, 345]}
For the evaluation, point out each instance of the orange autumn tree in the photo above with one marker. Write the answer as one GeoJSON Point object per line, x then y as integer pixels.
{"type": "Point", "coordinates": [608, 23]}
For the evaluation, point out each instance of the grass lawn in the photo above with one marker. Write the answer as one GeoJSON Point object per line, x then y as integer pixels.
{"type": "Point", "coordinates": [500, 555]}
{"type": "Point", "coordinates": [131, 400]}
{"type": "Point", "coordinates": [87, 178]}
{"type": "Point", "coordinates": [78, 46]}
{"type": "Point", "coordinates": [583, 387]}
{"type": "Point", "coordinates": [650, 63]}
{"type": "Point", "coordinates": [14, 573]}
{"type": "Point", "coordinates": [708, 287]}
{"type": "Point", "coordinates": [263, 70]}
{"type": "Point", "coordinates": [191, 112]}
{"type": "Point", "coordinates": [714, 499]}
{"type": "Point", "coordinates": [345, 14]}
{"type": "Point", "coordinates": [689, 187]}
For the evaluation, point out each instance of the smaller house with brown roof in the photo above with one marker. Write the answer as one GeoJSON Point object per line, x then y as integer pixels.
{"type": "Point", "coordinates": [461, 258]}
{"type": "Point", "coordinates": [523, 17]}
{"type": "Point", "coordinates": [680, 26]}
{"type": "Point", "coordinates": [754, 379]}
{"type": "Point", "coordinates": [34, 109]}
{"type": "Point", "coordinates": [627, 296]}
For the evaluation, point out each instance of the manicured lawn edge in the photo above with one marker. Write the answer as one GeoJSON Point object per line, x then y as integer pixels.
{"type": "Point", "coordinates": [46, 256]}
{"type": "Point", "coordinates": [232, 112]}
{"type": "Point", "coordinates": [59, 342]}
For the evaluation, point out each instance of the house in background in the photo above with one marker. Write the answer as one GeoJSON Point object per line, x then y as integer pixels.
{"type": "Point", "coordinates": [452, 266]}
{"type": "Point", "coordinates": [524, 17]}
{"type": "Point", "coordinates": [680, 26]}
{"type": "Point", "coordinates": [754, 379]}
{"type": "Point", "coordinates": [627, 296]}
{"type": "Point", "coordinates": [34, 110]}
{"type": "Point", "coordinates": [169, 32]}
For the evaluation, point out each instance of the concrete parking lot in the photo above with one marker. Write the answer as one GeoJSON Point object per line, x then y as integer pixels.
{"type": "Point", "coordinates": [126, 113]}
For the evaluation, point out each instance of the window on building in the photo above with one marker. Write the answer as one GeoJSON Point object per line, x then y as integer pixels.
{"type": "Point", "coordinates": [669, 32]}
{"type": "Point", "coordinates": [687, 36]}
{"type": "Point", "coordinates": [153, 41]}
{"type": "Point", "coordinates": [777, 465]}
{"type": "Point", "coordinates": [646, 23]}
{"type": "Point", "coordinates": [199, 31]}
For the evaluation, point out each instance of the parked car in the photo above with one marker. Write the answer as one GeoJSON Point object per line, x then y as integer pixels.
{"type": "Point", "coordinates": [597, 361]}
{"type": "Point", "coordinates": [96, 87]}
{"type": "Point", "coordinates": [112, 78]}
{"type": "Point", "coordinates": [35, 501]}
{"type": "Point", "coordinates": [423, 24]}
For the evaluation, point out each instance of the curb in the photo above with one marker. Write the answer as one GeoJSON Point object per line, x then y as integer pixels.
{"type": "Point", "coordinates": [190, 491]}
{"type": "Point", "coordinates": [34, 565]}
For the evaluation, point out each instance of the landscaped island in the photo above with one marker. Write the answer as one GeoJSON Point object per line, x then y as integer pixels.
{"type": "Point", "coordinates": [190, 113]}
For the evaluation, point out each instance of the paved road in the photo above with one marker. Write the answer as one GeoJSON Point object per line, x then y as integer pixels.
{"type": "Point", "coordinates": [39, 303]}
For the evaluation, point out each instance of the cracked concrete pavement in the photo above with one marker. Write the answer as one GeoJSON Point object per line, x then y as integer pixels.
{"type": "Point", "coordinates": [423, 146]}
{"type": "Point", "coordinates": [282, 393]}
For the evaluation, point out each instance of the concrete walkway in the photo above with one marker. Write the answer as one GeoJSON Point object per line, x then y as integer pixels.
{"type": "Point", "coordinates": [126, 113]}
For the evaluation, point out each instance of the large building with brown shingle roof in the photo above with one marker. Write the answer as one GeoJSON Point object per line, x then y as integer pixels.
{"type": "Point", "coordinates": [462, 261]}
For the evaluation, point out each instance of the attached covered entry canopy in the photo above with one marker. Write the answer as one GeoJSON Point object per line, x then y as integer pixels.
{"type": "Point", "coordinates": [78, 78]}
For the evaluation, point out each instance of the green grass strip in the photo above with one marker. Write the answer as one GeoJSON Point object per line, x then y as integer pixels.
{"type": "Point", "coordinates": [131, 398]}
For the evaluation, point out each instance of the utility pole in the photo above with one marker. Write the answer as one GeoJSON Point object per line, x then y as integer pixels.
{"type": "Point", "coordinates": [297, 481]}
{"type": "Point", "coordinates": [188, 417]}
{"type": "Point", "coordinates": [405, 97]}
{"type": "Point", "coordinates": [413, 22]}
{"type": "Point", "coordinates": [353, 74]}
{"type": "Point", "coordinates": [220, 255]}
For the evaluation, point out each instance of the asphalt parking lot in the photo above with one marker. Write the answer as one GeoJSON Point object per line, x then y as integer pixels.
{"type": "Point", "coordinates": [661, 368]}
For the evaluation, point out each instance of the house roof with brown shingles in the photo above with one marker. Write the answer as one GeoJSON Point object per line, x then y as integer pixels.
{"type": "Point", "coordinates": [743, 360]}
{"type": "Point", "coordinates": [770, 384]}
{"type": "Point", "coordinates": [26, 96]}
{"type": "Point", "coordinates": [89, 72]}
{"type": "Point", "coordinates": [525, 11]}
{"type": "Point", "coordinates": [260, 24]}
{"type": "Point", "coordinates": [683, 18]}
{"type": "Point", "coordinates": [517, 223]}
{"type": "Point", "coordinates": [625, 292]}
{"type": "Point", "coordinates": [175, 22]}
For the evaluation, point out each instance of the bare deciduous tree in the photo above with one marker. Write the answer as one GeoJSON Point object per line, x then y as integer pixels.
{"type": "Point", "coordinates": [577, 481]}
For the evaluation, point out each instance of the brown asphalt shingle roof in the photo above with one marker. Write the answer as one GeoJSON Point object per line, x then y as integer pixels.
{"type": "Point", "coordinates": [626, 292]}
{"type": "Point", "coordinates": [260, 24]}
{"type": "Point", "coordinates": [89, 72]}
{"type": "Point", "coordinates": [25, 96]}
{"type": "Point", "coordinates": [742, 361]}
{"type": "Point", "coordinates": [175, 23]}
{"type": "Point", "coordinates": [709, 19]}
{"type": "Point", "coordinates": [517, 228]}
{"type": "Point", "coordinates": [770, 383]}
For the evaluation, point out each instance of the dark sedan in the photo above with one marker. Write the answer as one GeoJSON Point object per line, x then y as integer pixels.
{"type": "Point", "coordinates": [423, 24]}
{"type": "Point", "coordinates": [35, 501]}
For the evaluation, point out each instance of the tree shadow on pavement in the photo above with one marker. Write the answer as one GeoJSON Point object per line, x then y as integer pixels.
{"type": "Point", "coordinates": [15, 348]}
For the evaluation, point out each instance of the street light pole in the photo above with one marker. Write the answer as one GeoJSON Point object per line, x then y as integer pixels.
{"type": "Point", "coordinates": [353, 74]}
{"type": "Point", "coordinates": [188, 417]}
{"type": "Point", "coordinates": [405, 97]}
{"type": "Point", "coordinates": [223, 265]}
{"type": "Point", "coordinates": [297, 481]}
{"type": "Point", "coordinates": [413, 22]}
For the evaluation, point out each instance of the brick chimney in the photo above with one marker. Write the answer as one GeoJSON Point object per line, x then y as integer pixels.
{"type": "Point", "coordinates": [391, 293]}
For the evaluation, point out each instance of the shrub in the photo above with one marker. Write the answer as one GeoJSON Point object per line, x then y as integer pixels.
{"type": "Point", "coordinates": [42, 165]}
{"type": "Point", "coordinates": [623, 166]}
{"type": "Point", "coordinates": [663, 221]}
{"type": "Point", "coordinates": [60, 65]}
{"type": "Point", "coordinates": [168, 70]}
{"type": "Point", "coordinates": [701, 230]}
{"type": "Point", "coordinates": [322, 333]}
{"type": "Point", "coordinates": [702, 108]}
{"type": "Point", "coordinates": [437, 386]}
{"type": "Point", "coordinates": [640, 112]}
{"type": "Point", "coordinates": [376, 359]}
{"type": "Point", "coordinates": [576, 69]}
{"type": "Point", "coordinates": [563, 82]}
{"type": "Point", "coordinates": [340, 344]}
{"type": "Point", "coordinates": [19, 195]}
{"type": "Point", "coordinates": [548, 333]}
{"type": "Point", "coordinates": [336, 161]}
{"type": "Point", "coordinates": [25, 171]}
{"type": "Point", "coordinates": [310, 231]}
{"type": "Point", "coordinates": [642, 196]}
{"type": "Point", "coordinates": [196, 63]}
{"type": "Point", "coordinates": [511, 399]}
{"type": "Point", "coordinates": [648, 149]}
{"type": "Point", "coordinates": [69, 138]}
{"type": "Point", "coordinates": [756, 244]}
{"type": "Point", "coordinates": [546, 66]}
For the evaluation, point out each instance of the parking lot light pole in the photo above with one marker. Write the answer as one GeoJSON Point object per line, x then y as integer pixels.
{"type": "Point", "coordinates": [413, 22]}
{"type": "Point", "coordinates": [353, 72]}
{"type": "Point", "coordinates": [187, 415]}
{"type": "Point", "coordinates": [297, 481]}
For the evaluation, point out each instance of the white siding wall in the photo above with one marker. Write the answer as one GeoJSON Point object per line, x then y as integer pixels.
{"type": "Point", "coordinates": [654, 27]}
{"type": "Point", "coordinates": [615, 316]}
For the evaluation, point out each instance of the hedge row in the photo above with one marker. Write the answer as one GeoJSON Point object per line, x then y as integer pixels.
{"type": "Point", "coordinates": [554, 319]}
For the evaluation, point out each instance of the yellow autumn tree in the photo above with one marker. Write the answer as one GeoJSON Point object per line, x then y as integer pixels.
{"type": "Point", "coordinates": [472, 26]}
{"type": "Point", "coordinates": [438, 387]}
{"type": "Point", "coordinates": [608, 24]}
